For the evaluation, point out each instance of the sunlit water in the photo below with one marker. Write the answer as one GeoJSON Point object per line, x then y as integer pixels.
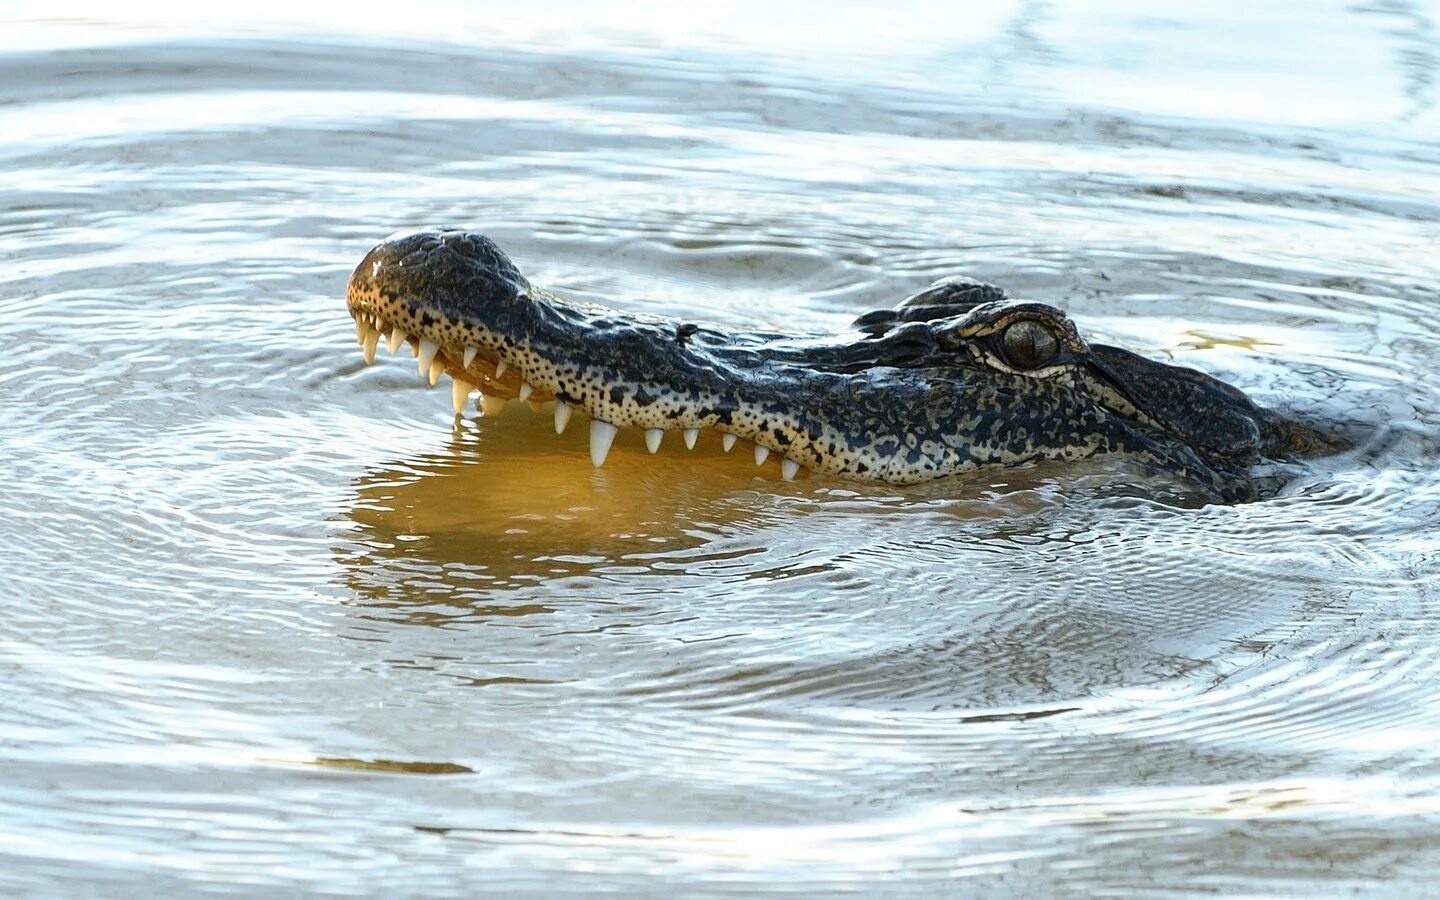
{"type": "Point", "coordinates": [274, 623]}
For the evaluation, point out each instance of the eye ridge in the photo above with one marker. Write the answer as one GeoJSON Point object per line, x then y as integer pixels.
{"type": "Point", "coordinates": [1027, 344]}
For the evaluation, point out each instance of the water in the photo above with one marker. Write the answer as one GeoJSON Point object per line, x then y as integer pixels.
{"type": "Point", "coordinates": [274, 624]}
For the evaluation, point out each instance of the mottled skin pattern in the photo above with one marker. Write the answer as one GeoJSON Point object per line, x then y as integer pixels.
{"type": "Point", "coordinates": [955, 378]}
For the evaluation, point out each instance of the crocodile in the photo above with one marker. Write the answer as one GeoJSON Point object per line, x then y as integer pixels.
{"type": "Point", "coordinates": [957, 377]}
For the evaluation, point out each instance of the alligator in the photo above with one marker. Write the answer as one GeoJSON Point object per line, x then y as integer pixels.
{"type": "Point", "coordinates": [955, 378]}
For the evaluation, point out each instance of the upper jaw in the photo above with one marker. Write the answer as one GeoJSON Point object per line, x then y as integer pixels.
{"type": "Point", "coordinates": [466, 312]}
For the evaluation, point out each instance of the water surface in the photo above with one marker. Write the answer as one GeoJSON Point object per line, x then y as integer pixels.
{"type": "Point", "coordinates": [275, 621]}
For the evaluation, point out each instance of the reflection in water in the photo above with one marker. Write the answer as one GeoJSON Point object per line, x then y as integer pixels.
{"type": "Point", "coordinates": [1004, 594]}
{"type": "Point", "coordinates": [1416, 49]}
{"type": "Point", "coordinates": [390, 765]}
{"type": "Point", "coordinates": [448, 535]}
{"type": "Point", "coordinates": [508, 505]}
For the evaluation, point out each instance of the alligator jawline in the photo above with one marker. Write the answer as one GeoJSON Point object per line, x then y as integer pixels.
{"type": "Point", "coordinates": [480, 369]}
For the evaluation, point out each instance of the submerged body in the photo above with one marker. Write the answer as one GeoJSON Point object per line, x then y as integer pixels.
{"type": "Point", "coordinates": [955, 378]}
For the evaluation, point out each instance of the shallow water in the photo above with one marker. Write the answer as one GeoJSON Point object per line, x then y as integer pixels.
{"type": "Point", "coordinates": [274, 622]}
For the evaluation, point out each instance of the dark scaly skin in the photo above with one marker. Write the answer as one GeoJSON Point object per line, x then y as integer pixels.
{"type": "Point", "coordinates": [955, 378]}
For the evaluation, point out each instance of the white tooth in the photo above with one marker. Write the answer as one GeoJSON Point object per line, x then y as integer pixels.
{"type": "Point", "coordinates": [652, 438]}
{"type": "Point", "coordinates": [426, 356]}
{"type": "Point", "coordinates": [690, 435]}
{"type": "Point", "coordinates": [727, 441]}
{"type": "Point", "coordinates": [490, 404]}
{"type": "Point", "coordinates": [500, 368]}
{"type": "Point", "coordinates": [761, 451]}
{"type": "Point", "coordinates": [789, 468]}
{"type": "Point", "coordinates": [460, 395]}
{"type": "Point", "coordinates": [361, 329]}
{"type": "Point", "coordinates": [470, 355]}
{"type": "Point", "coordinates": [536, 405]}
{"type": "Point", "coordinates": [602, 435]}
{"type": "Point", "coordinates": [526, 390]}
{"type": "Point", "coordinates": [437, 368]}
{"type": "Point", "coordinates": [372, 340]}
{"type": "Point", "coordinates": [396, 338]}
{"type": "Point", "coordinates": [562, 415]}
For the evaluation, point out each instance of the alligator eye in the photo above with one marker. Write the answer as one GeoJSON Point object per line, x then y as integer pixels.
{"type": "Point", "coordinates": [1029, 345]}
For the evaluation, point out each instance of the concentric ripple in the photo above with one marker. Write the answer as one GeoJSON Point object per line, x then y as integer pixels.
{"type": "Point", "coordinates": [279, 623]}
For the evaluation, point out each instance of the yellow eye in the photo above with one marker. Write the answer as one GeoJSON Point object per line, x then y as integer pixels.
{"type": "Point", "coordinates": [1028, 345]}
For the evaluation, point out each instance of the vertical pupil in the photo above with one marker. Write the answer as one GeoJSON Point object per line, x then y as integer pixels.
{"type": "Point", "coordinates": [1027, 349]}
{"type": "Point", "coordinates": [1028, 345]}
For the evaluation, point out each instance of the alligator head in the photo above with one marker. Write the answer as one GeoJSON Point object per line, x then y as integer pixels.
{"type": "Point", "coordinates": [955, 378]}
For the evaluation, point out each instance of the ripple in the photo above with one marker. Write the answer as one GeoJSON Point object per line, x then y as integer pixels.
{"type": "Point", "coordinates": [254, 588]}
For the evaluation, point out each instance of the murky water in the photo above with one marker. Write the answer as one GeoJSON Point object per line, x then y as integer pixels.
{"type": "Point", "coordinates": [272, 622]}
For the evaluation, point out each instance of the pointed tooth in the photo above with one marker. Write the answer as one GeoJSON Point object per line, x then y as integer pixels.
{"type": "Point", "coordinates": [526, 389]}
{"type": "Point", "coordinates": [437, 368]}
{"type": "Point", "coordinates": [361, 329]}
{"type": "Point", "coordinates": [690, 435]}
{"type": "Point", "coordinates": [426, 356]}
{"type": "Point", "coordinates": [372, 340]}
{"type": "Point", "coordinates": [491, 404]}
{"type": "Point", "coordinates": [470, 355]}
{"type": "Point", "coordinates": [789, 468]}
{"type": "Point", "coordinates": [562, 415]}
{"type": "Point", "coordinates": [460, 395]}
{"type": "Point", "coordinates": [500, 368]}
{"type": "Point", "coordinates": [602, 435]}
{"type": "Point", "coordinates": [536, 405]}
{"type": "Point", "coordinates": [652, 438]}
{"type": "Point", "coordinates": [727, 442]}
{"type": "Point", "coordinates": [761, 451]}
{"type": "Point", "coordinates": [396, 338]}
